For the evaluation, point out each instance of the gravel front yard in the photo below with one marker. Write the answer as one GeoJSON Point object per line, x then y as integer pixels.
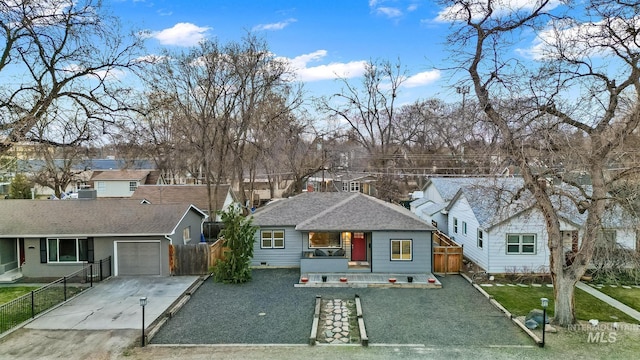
{"type": "Point", "coordinates": [269, 310]}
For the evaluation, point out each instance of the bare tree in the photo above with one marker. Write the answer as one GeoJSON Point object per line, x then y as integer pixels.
{"type": "Point", "coordinates": [583, 79]}
{"type": "Point", "coordinates": [59, 163]}
{"type": "Point", "coordinates": [369, 110]}
{"type": "Point", "coordinates": [64, 55]}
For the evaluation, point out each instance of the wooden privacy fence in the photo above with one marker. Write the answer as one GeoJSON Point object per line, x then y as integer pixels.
{"type": "Point", "coordinates": [194, 259]}
{"type": "Point", "coordinates": [447, 254]}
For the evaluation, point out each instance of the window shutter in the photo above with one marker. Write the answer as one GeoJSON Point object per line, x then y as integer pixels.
{"type": "Point", "coordinates": [90, 250]}
{"type": "Point", "coordinates": [43, 250]}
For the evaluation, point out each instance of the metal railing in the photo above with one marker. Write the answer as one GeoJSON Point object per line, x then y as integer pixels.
{"type": "Point", "coordinates": [29, 305]}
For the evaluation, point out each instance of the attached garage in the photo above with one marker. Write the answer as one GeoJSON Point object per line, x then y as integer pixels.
{"type": "Point", "coordinates": [138, 258]}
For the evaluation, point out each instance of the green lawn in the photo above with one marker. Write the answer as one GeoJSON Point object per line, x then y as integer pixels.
{"type": "Point", "coordinates": [9, 293]}
{"type": "Point", "coordinates": [629, 297]}
{"type": "Point", "coordinates": [520, 300]}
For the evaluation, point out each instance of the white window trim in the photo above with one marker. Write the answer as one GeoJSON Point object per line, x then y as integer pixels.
{"type": "Point", "coordinates": [521, 244]}
{"type": "Point", "coordinates": [464, 228]}
{"type": "Point", "coordinates": [186, 235]}
{"type": "Point", "coordinates": [401, 241]}
{"type": "Point", "coordinates": [345, 186]}
{"type": "Point", "coordinates": [77, 261]}
{"type": "Point", "coordinates": [455, 225]}
{"type": "Point", "coordinates": [133, 185]}
{"type": "Point", "coordinates": [480, 242]}
{"type": "Point", "coordinates": [101, 186]}
{"type": "Point", "coordinates": [354, 186]}
{"type": "Point", "coordinates": [273, 239]}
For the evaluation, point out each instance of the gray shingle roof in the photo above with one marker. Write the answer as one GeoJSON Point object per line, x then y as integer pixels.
{"type": "Point", "coordinates": [133, 175]}
{"type": "Point", "coordinates": [181, 194]}
{"type": "Point", "coordinates": [338, 211]}
{"type": "Point", "coordinates": [98, 217]}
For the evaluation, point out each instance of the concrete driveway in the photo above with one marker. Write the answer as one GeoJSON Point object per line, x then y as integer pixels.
{"type": "Point", "coordinates": [115, 304]}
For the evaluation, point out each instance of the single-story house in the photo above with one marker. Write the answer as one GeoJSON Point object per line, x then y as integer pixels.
{"type": "Point", "coordinates": [122, 183]}
{"type": "Point", "coordinates": [505, 233]}
{"type": "Point", "coordinates": [52, 238]}
{"type": "Point", "coordinates": [191, 194]}
{"type": "Point", "coordinates": [341, 232]}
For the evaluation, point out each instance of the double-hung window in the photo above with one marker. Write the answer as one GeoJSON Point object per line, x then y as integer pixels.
{"type": "Point", "coordinates": [355, 186]}
{"type": "Point", "coordinates": [521, 244]}
{"type": "Point", "coordinates": [455, 225]}
{"type": "Point", "coordinates": [464, 228]}
{"type": "Point", "coordinates": [401, 250]}
{"type": "Point", "coordinates": [345, 186]}
{"type": "Point", "coordinates": [133, 185]}
{"type": "Point", "coordinates": [480, 238]}
{"type": "Point", "coordinates": [272, 239]}
{"type": "Point", "coordinates": [67, 250]}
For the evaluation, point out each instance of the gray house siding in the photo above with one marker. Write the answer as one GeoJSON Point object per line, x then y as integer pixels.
{"type": "Point", "coordinates": [193, 221]}
{"type": "Point", "coordinates": [8, 255]}
{"type": "Point", "coordinates": [381, 252]}
{"type": "Point", "coordinates": [289, 256]}
{"type": "Point", "coordinates": [103, 247]}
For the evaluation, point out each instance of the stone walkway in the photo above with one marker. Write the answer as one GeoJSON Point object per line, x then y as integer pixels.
{"type": "Point", "coordinates": [335, 316]}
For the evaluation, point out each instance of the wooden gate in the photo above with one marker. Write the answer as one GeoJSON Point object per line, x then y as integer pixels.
{"type": "Point", "coordinates": [447, 254]}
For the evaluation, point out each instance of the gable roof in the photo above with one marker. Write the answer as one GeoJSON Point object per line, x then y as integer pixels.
{"type": "Point", "coordinates": [182, 194]}
{"type": "Point", "coordinates": [123, 175]}
{"type": "Point", "coordinates": [337, 212]}
{"type": "Point", "coordinates": [96, 217]}
{"type": "Point", "coordinates": [447, 187]}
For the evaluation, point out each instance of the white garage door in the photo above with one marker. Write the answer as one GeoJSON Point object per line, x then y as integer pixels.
{"type": "Point", "coordinates": [138, 258]}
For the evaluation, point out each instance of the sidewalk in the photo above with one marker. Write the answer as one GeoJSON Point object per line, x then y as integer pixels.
{"type": "Point", "coordinates": [609, 300]}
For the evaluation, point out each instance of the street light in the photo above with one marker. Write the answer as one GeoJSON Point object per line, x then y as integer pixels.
{"type": "Point", "coordinates": [544, 302]}
{"type": "Point", "coordinates": [143, 302]}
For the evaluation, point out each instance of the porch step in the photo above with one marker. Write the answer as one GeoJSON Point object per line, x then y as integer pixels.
{"type": "Point", "coordinates": [10, 277]}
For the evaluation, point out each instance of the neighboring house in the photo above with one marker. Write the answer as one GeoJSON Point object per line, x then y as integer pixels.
{"type": "Point", "coordinates": [122, 183]}
{"type": "Point", "coordinates": [430, 212]}
{"type": "Point", "coordinates": [437, 193]}
{"type": "Point", "coordinates": [190, 194]}
{"type": "Point", "coordinates": [341, 232]}
{"type": "Point", "coordinates": [505, 233]}
{"type": "Point", "coordinates": [355, 182]}
{"type": "Point", "coordinates": [49, 238]}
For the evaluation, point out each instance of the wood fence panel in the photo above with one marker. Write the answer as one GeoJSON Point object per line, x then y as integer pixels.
{"type": "Point", "coordinates": [191, 259]}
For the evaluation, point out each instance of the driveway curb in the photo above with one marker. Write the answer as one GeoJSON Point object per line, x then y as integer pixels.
{"type": "Point", "coordinates": [155, 326]}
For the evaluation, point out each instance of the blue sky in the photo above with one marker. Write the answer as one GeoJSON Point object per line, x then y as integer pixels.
{"type": "Point", "coordinates": [321, 38]}
{"type": "Point", "coordinates": [324, 37]}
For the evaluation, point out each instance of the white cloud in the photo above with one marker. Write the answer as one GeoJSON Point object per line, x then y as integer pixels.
{"type": "Point", "coordinates": [389, 12]}
{"type": "Point", "coordinates": [580, 40]}
{"type": "Point", "coordinates": [422, 79]}
{"type": "Point", "coordinates": [274, 26]}
{"type": "Point", "coordinates": [500, 8]}
{"type": "Point", "coordinates": [181, 34]}
{"type": "Point", "coordinates": [329, 71]}
{"type": "Point", "coordinates": [150, 59]}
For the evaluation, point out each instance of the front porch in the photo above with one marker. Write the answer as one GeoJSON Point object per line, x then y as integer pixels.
{"type": "Point", "coordinates": [355, 279]}
{"type": "Point", "coordinates": [10, 276]}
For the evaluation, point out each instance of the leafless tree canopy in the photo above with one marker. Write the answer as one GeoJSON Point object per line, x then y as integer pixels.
{"type": "Point", "coordinates": [60, 56]}
{"type": "Point", "coordinates": [571, 107]}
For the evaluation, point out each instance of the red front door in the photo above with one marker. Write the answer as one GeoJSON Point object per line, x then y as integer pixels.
{"type": "Point", "coordinates": [21, 251]}
{"type": "Point", "coordinates": [358, 247]}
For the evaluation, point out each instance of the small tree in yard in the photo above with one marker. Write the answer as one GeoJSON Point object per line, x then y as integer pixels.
{"type": "Point", "coordinates": [238, 234]}
{"type": "Point", "coordinates": [20, 187]}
